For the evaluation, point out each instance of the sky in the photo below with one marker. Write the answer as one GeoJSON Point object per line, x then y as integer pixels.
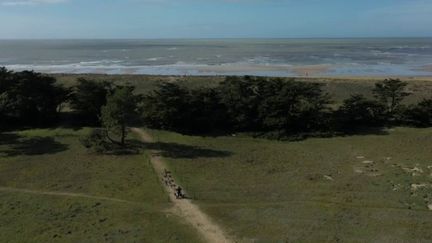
{"type": "Point", "coordinates": [153, 19]}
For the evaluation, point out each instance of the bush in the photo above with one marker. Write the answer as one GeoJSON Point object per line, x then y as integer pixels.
{"type": "Point", "coordinates": [358, 112]}
{"type": "Point", "coordinates": [96, 141]}
{"type": "Point", "coordinates": [420, 114]}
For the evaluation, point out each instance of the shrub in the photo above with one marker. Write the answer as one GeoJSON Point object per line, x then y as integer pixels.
{"type": "Point", "coordinates": [96, 141]}
{"type": "Point", "coordinates": [357, 111]}
{"type": "Point", "coordinates": [420, 114]}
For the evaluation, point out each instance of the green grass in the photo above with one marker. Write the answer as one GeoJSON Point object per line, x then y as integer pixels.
{"type": "Point", "coordinates": [315, 190]}
{"type": "Point", "coordinates": [53, 160]}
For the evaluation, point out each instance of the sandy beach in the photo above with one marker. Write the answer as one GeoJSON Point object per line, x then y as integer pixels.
{"type": "Point", "coordinates": [311, 70]}
{"type": "Point", "coordinates": [303, 70]}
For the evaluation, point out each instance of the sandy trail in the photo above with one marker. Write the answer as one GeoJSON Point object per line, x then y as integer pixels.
{"type": "Point", "coordinates": [184, 208]}
{"type": "Point", "coordinates": [63, 194]}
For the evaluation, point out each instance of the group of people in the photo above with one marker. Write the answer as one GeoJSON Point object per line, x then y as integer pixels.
{"type": "Point", "coordinates": [169, 182]}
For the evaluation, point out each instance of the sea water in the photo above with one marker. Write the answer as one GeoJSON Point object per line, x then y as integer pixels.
{"type": "Point", "coordinates": [270, 57]}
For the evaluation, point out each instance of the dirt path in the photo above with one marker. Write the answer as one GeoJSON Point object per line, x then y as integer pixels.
{"type": "Point", "coordinates": [63, 194]}
{"type": "Point", "coordinates": [184, 208]}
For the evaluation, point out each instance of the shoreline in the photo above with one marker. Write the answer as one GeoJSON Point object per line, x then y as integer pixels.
{"type": "Point", "coordinates": [324, 70]}
{"type": "Point", "coordinates": [324, 78]}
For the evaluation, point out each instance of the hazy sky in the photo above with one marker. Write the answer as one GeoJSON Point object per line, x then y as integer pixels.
{"type": "Point", "coordinates": [214, 18]}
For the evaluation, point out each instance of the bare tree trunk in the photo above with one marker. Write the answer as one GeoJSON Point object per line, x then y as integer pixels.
{"type": "Point", "coordinates": [109, 137]}
{"type": "Point", "coordinates": [123, 134]}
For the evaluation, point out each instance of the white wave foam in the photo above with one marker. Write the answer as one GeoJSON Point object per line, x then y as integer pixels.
{"type": "Point", "coordinates": [99, 62]}
{"type": "Point", "coordinates": [154, 59]}
{"type": "Point", "coordinates": [240, 68]}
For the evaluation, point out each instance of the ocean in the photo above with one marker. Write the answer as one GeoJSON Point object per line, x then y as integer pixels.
{"type": "Point", "coordinates": [267, 57]}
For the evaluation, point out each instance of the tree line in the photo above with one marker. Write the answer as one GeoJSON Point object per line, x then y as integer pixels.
{"type": "Point", "coordinates": [279, 108]}
{"type": "Point", "coordinates": [29, 98]}
{"type": "Point", "coordinates": [272, 107]}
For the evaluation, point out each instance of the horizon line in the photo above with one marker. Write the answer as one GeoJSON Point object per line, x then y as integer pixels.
{"type": "Point", "coordinates": [223, 38]}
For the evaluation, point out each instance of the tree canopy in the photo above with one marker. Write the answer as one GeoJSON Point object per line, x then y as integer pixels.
{"type": "Point", "coordinates": [88, 98]}
{"type": "Point", "coordinates": [359, 112]}
{"type": "Point", "coordinates": [420, 114]}
{"type": "Point", "coordinates": [30, 98]}
{"type": "Point", "coordinates": [119, 111]}
{"type": "Point", "coordinates": [391, 93]}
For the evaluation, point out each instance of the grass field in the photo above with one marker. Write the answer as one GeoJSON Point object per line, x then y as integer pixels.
{"type": "Point", "coordinates": [366, 188]}
{"type": "Point", "coordinates": [53, 161]}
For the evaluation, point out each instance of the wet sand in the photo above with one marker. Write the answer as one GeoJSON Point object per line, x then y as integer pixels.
{"type": "Point", "coordinates": [426, 68]}
{"type": "Point", "coordinates": [242, 68]}
{"type": "Point", "coordinates": [301, 71]}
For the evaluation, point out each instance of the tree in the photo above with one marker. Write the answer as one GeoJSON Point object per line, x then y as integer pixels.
{"type": "Point", "coordinates": [120, 109]}
{"type": "Point", "coordinates": [5, 84]}
{"type": "Point", "coordinates": [176, 108]}
{"type": "Point", "coordinates": [4, 103]}
{"type": "Point", "coordinates": [5, 78]}
{"type": "Point", "coordinates": [291, 107]}
{"type": "Point", "coordinates": [420, 114]}
{"type": "Point", "coordinates": [88, 98]}
{"type": "Point", "coordinates": [252, 104]}
{"type": "Point", "coordinates": [391, 93]}
{"type": "Point", "coordinates": [242, 98]}
{"type": "Point", "coordinates": [206, 113]}
{"type": "Point", "coordinates": [167, 107]}
{"type": "Point", "coordinates": [30, 98]}
{"type": "Point", "coordinates": [357, 111]}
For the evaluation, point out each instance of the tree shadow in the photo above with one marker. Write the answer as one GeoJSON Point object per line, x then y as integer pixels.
{"type": "Point", "coordinates": [67, 120]}
{"type": "Point", "coordinates": [8, 138]}
{"type": "Point", "coordinates": [182, 151]}
{"type": "Point", "coordinates": [18, 145]}
{"type": "Point", "coordinates": [364, 131]}
{"type": "Point", "coordinates": [74, 121]}
{"type": "Point", "coordinates": [298, 137]}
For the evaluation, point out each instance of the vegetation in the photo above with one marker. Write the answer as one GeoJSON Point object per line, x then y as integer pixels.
{"type": "Point", "coordinates": [359, 112]}
{"type": "Point", "coordinates": [420, 114]}
{"type": "Point", "coordinates": [268, 106]}
{"type": "Point", "coordinates": [275, 107]}
{"type": "Point", "coordinates": [120, 109]}
{"type": "Point", "coordinates": [112, 198]}
{"type": "Point", "coordinates": [97, 141]}
{"type": "Point", "coordinates": [30, 98]}
{"type": "Point", "coordinates": [391, 93]}
{"type": "Point", "coordinates": [340, 88]}
{"type": "Point", "coordinates": [359, 188]}
{"type": "Point", "coordinates": [88, 98]}
{"type": "Point", "coordinates": [373, 187]}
